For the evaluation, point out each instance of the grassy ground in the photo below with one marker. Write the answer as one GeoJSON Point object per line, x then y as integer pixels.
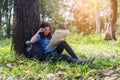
{"type": "Point", "coordinates": [105, 67]}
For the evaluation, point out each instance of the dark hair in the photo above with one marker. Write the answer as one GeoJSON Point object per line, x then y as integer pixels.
{"type": "Point", "coordinates": [43, 25]}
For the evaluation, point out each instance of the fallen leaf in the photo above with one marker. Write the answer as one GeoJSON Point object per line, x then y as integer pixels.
{"type": "Point", "coordinates": [106, 72]}
{"type": "Point", "coordinates": [26, 70]}
{"type": "Point", "coordinates": [72, 70]}
{"type": "Point", "coordinates": [110, 78]}
{"type": "Point", "coordinates": [1, 77]}
{"type": "Point", "coordinates": [118, 68]}
{"type": "Point", "coordinates": [91, 78]}
{"type": "Point", "coordinates": [50, 75]}
{"type": "Point", "coordinates": [9, 65]}
{"type": "Point", "coordinates": [60, 75]}
{"type": "Point", "coordinates": [55, 76]}
{"type": "Point", "coordinates": [32, 79]}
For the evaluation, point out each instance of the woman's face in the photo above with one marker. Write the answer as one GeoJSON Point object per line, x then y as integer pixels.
{"type": "Point", "coordinates": [46, 30]}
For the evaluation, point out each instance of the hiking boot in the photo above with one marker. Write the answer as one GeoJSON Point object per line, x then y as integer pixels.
{"type": "Point", "coordinates": [87, 61]}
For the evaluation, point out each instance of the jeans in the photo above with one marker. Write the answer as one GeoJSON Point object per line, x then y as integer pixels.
{"type": "Point", "coordinates": [71, 59]}
{"type": "Point", "coordinates": [64, 45]}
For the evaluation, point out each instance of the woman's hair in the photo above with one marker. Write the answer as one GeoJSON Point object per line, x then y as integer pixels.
{"type": "Point", "coordinates": [43, 25]}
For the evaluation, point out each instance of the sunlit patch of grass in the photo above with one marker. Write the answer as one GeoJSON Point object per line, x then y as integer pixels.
{"type": "Point", "coordinates": [5, 42]}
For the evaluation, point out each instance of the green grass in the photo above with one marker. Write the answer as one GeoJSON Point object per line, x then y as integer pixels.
{"type": "Point", "coordinates": [107, 53]}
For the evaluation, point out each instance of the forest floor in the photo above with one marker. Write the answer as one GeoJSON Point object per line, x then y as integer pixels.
{"type": "Point", "coordinates": [105, 67]}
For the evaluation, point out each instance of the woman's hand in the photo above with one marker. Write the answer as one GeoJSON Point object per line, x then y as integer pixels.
{"type": "Point", "coordinates": [35, 36]}
{"type": "Point", "coordinates": [40, 30]}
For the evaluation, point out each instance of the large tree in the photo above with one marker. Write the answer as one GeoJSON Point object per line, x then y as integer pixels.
{"type": "Point", "coordinates": [111, 29]}
{"type": "Point", "coordinates": [26, 22]}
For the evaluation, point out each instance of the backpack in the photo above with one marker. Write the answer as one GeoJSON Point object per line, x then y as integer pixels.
{"type": "Point", "coordinates": [34, 50]}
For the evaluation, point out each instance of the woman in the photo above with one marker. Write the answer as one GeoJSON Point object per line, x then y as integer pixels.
{"type": "Point", "coordinates": [43, 36]}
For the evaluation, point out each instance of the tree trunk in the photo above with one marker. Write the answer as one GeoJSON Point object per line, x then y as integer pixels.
{"type": "Point", "coordinates": [8, 23]}
{"type": "Point", "coordinates": [110, 33]}
{"type": "Point", "coordinates": [98, 20]}
{"type": "Point", "coordinates": [8, 17]}
{"type": "Point", "coordinates": [26, 22]}
{"type": "Point", "coordinates": [0, 19]}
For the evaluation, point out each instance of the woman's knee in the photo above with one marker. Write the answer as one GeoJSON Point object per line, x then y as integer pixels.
{"type": "Point", "coordinates": [63, 42]}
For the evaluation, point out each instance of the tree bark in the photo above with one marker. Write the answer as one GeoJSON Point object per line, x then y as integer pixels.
{"type": "Point", "coordinates": [26, 22]}
{"type": "Point", "coordinates": [0, 19]}
{"type": "Point", "coordinates": [110, 34]}
{"type": "Point", "coordinates": [8, 17]}
{"type": "Point", "coordinates": [98, 20]}
{"type": "Point", "coordinates": [8, 23]}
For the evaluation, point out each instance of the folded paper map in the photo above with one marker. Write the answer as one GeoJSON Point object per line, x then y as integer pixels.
{"type": "Point", "coordinates": [57, 37]}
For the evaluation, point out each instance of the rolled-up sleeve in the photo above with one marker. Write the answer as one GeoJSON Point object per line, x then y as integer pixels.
{"type": "Point", "coordinates": [37, 38]}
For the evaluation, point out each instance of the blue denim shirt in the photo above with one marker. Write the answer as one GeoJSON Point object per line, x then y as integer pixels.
{"type": "Point", "coordinates": [44, 42]}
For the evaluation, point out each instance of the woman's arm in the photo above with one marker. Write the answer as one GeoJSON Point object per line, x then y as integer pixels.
{"type": "Point", "coordinates": [33, 39]}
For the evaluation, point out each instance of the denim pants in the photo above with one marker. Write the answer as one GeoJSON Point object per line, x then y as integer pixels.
{"type": "Point", "coordinates": [71, 57]}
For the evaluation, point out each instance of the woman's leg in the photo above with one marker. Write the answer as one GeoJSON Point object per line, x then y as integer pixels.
{"type": "Point", "coordinates": [64, 45]}
{"type": "Point", "coordinates": [67, 58]}
{"type": "Point", "coordinates": [72, 60]}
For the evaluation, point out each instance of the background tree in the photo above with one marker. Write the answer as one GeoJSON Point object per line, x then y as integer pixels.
{"type": "Point", "coordinates": [8, 15]}
{"type": "Point", "coordinates": [98, 17]}
{"type": "Point", "coordinates": [111, 28]}
{"type": "Point", "coordinates": [0, 18]}
{"type": "Point", "coordinates": [6, 7]}
{"type": "Point", "coordinates": [26, 22]}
